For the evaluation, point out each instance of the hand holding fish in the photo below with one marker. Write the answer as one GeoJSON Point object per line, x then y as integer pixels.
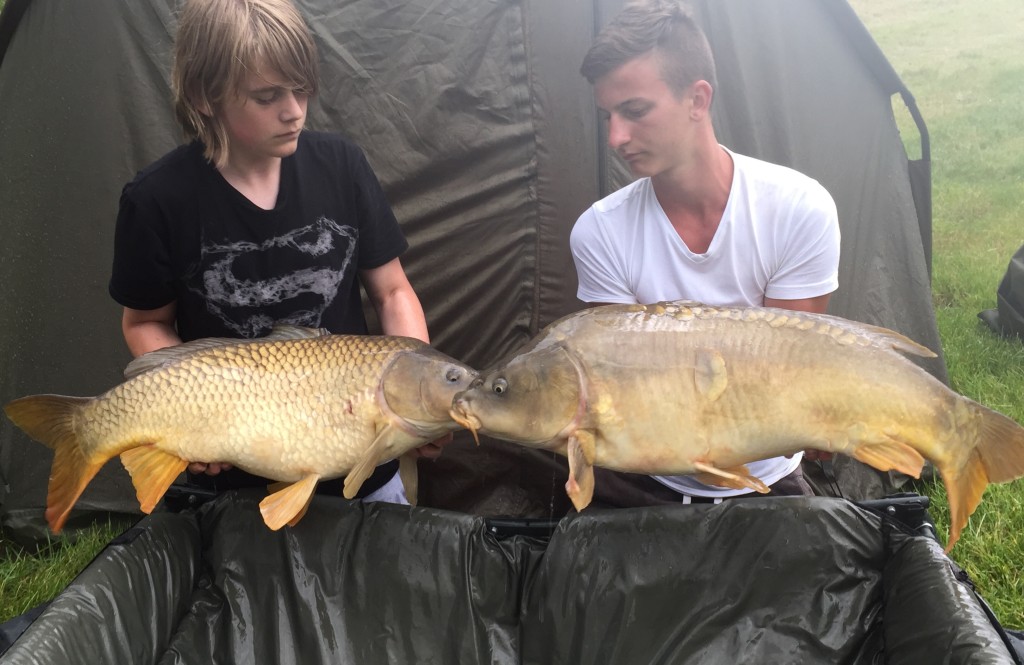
{"type": "Point", "coordinates": [433, 449]}
{"type": "Point", "coordinates": [210, 469]}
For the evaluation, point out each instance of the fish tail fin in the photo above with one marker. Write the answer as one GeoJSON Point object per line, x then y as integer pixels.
{"type": "Point", "coordinates": [1001, 447]}
{"type": "Point", "coordinates": [997, 457]}
{"type": "Point", "coordinates": [50, 420]}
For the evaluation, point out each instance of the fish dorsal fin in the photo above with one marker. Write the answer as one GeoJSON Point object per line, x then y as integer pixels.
{"type": "Point", "coordinates": [877, 336]}
{"type": "Point", "coordinates": [900, 342]}
{"type": "Point", "coordinates": [845, 330]}
{"type": "Point", "coordinates": [169, 354]}
{"type": "Point", "coordinates": [282, 331]}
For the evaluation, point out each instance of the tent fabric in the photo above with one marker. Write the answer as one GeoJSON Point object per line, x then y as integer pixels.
{"type": "Point", "coordinates": [1007, 318]}
{"type": "Point", "coordinates": [487, 142]}
{"type": "Point", "coordinates": [793, 580]}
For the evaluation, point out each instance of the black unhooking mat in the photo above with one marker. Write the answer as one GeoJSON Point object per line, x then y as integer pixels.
{"type": "Point", "coordinates": [787, 580]}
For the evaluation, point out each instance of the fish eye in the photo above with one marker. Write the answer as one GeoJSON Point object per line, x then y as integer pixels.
{"type": "Point", "coordinates": [499, 386]}
{"type": "Point", "coordinates": [453, 375]}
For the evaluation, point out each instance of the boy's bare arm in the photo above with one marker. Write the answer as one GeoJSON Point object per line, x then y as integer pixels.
{"type": "Point", "coordinates": [397, 305]}
{"type": "Point", "coordinates": [147, 330]}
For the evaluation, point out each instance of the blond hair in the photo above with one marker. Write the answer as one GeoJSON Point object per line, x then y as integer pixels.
{"type": "Point", "coordinates": [218, 43]}
{"type": "Point", "coordinates": [664, 27]}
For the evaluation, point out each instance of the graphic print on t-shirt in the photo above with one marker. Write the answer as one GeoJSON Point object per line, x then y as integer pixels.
{"type": "Point", "coordinates": [307, 266]}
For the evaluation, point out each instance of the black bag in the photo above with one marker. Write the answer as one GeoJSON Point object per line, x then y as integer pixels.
{"type": "Point", "coordinates": [1008, 317]}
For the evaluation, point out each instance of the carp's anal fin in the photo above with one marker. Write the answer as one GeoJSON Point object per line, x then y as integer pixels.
{"type": "Point", "coordinates": [374, 455]}
{"type": "Point", "coordinates": [408, 471]}
{"type": "Point", "coordinates": [287, 506]}
{"type": "Point", "coordinates": [737, 477]}
{"type": "Point", "coordinates": [152, 471]}
{"type": "Point", "coordinates": [709, 374]}
{"type": "Point", "coordinates": [887, 454]}
{"type": "Point", "coordinates": [581, 452]}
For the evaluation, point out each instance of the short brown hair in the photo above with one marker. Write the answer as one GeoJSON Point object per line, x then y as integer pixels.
{"type": "Point", "coordinates": [643, 26]}
{"type": "Point", "coordinates": [218, 43]}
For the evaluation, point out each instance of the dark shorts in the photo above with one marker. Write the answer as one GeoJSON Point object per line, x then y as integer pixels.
{"type": "Point", "coordinates": [613, 489]}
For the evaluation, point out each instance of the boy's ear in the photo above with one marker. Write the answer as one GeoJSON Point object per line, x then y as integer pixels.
{"type": "Point", "coordinates": [702, 95]}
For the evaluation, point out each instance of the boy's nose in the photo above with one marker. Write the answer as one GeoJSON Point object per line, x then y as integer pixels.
{"type": "Point", "coordinates": [294, 106]}
{"type": "Point", "coordinates": [618, 136]}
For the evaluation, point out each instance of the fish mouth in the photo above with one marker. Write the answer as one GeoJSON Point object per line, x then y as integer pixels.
{"type": "Point", "coordinates": [467, 420]}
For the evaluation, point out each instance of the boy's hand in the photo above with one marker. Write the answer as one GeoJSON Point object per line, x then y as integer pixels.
{"type": "Point", "coordinates": [432, 450]}
{"type": "Point", "coordinates": [209, 468]}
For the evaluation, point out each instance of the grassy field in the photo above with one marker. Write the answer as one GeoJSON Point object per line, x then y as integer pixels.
{"type": "Point", "coordinates": [26, 580]}
{"type": "Point", "coordinates": [964, 63]}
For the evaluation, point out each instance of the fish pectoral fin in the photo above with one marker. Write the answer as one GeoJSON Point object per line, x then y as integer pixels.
{"type": "Point", "coordinates": [887, 454]}
{"type": "Point", "coordinates": [581, 452]}
{"type": "Point", "coordinates": [737, 477]}
{"type": "Point", "coordinates": [363, 469]}
{"type": "Point", "coordinates": [709, 374]}
{"type": "Point", "coordinates": [152, 471]}
{"type": "Point", "coordinates": [587, 443]}
{"type": "Point", "coordinates": [288, 505]}
{"type": "Point", "coordinates": [408, 471]}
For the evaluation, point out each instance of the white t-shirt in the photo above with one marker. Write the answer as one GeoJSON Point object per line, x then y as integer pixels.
{"type": "Point", "coordinates": [778, 238]}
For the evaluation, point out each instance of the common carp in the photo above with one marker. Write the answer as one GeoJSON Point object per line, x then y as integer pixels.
{"type": "Point", "coordinates": [298, 406]}
{"type": "Point", "coordinates": [683, 388]}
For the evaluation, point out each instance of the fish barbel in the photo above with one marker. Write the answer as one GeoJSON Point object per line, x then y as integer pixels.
{"type": "Point", "coordinates": [684, 388]}
{"type": "Point", "coordinates": [298, 406]}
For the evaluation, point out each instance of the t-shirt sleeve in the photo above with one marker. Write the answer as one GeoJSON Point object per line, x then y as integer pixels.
{"type": "Point", "coordinates": [380, 237]}
{"type": "Point", "coordinates": [810, 261]}
{"type": "Point", "coordinates": [141, 277]}
{"type": "Point", "coordinates": [599, 267]}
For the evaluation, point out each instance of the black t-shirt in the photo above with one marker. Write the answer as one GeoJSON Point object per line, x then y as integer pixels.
{"type": "Point", "coordinates": [185, 235]}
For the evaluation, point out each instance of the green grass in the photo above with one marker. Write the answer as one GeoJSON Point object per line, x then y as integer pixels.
{"type": "Point", "coordinates": [964, 63]}
{"type": "Point", "coordinates": [30, 578]}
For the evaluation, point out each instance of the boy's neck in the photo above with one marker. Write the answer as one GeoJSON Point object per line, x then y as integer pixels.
{"type": "Point", "coordinates": [260, 183]}
{"type": "Point", "coordinates": [702, 187]}
{"type": "Point", "coordinates": [695, 202]}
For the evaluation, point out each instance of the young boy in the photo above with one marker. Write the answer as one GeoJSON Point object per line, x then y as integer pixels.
{"type": "Point", "coordinates": [701, 222]}
{"type": "Point", "coordinates": [256, 221]}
